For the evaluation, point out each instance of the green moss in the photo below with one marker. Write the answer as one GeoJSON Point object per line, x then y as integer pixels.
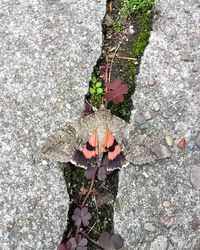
{"type": "Point", "coordinates": [141, 40]}
{"type": "Point", "coordinates": [140, 44]}
{"type": "Point", "coordinates": [117, 24]}
{"type": "Point", "coordinates": [141, 12]}
{"type": "Point", "coordinates": [136, 7]}
{"type": "Point", "coordinates": [78, 174]}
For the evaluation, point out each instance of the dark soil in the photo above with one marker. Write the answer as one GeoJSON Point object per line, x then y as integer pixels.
{"type": "Point", "coordinates": [100, 203]}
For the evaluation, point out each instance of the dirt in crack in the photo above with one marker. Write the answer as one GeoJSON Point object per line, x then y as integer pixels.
{"type": "Point", "coordinates": [126, 29]}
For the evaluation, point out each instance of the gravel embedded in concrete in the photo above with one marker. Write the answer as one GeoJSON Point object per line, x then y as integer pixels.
{"type": "Point", "coordinates": [48, 50]}
{"type": "Point", "coordinates": [169, 75]}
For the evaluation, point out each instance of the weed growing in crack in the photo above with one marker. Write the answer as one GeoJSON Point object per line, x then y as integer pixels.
{"type": "Point", "coordinates": [136, 7]}
{"type": "Point", "coordinates": [103, 90]}
{"type": "Point", "coordinates": [79, 234]}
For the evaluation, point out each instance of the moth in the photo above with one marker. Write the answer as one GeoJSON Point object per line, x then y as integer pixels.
{"type": "Point", "coordinates": [102, 139]}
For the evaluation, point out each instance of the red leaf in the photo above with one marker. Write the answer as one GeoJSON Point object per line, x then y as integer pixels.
{"type": "Point", "coordinates": [87, 109]}
{"type": "Point", "coordinates": [104, 71]}
{"type": "Point", "coordinates": [182, 143]}
{"type": "Point", "coordinates": [116, 91]}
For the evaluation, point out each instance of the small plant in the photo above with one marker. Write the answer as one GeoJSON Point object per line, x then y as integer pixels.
{"type": "Point", "coordinates": [78, 238]}
{"type": "Point", "coordinates": [96, 91]}
{"type": "Point", "coordinates": [103, 91]}
{"type": "Point", "coordinates": [136, 7]}
{"type": "Point", "coordinates": [117, 24]}
{"type": "Point", "coordinates": [96, 86]}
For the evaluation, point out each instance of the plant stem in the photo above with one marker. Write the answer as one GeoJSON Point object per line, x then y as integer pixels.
{"type": "Point", "coordinates": [109, 77]}
{"type": "Point", "coordinates": [90, 189]}
{"type": "Point", "coordinates": [126, 58]}
{"type": "Point", "coordinates": [94, 242]}
{"type": "Point", "coordinates": [77, 232]}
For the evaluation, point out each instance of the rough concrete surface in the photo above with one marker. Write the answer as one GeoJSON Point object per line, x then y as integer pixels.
{"type": "Point", "coordinates": [158, 206]}
{"type": "Point", "coordinates": [48, 50]}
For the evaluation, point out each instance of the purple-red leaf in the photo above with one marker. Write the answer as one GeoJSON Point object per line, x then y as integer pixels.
{"type": "Point", "coordinates": [104, 71]}
{"type": "Point", "coordinates": [87, 109]}
{"type": "Point", "coordinates": [90, 172]}
{"type": "Point", "coordinates": [116, 91]}
{"type": "Point", "coordinates": [102, 173]}
{"type": "Point", "coordinates": [81, 215]}
{"type": "Point", "coordinates": [67, 245]}
{"type": "Point", "coordinates": [117, 241]}
{"type": "Point", "coordinates": [114, 242]}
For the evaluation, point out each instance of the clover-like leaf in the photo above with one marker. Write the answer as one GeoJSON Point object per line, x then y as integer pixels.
{"type": "Point", "coordinates": [117, 241]}
{"type": "Point", "coordinates": [76, 217]}
{"type": "Point", "coordinates": [98, 84]}
{"type": "Point", "coordinates": [69, 245]}
{"type": "Point", "coordinates": [105, 241]}
{"type": "Point", "coordinates": [108, 242]}
{"type": "Point", "coordinates": [90, 172]}
{"type": "Point", "coordinates": [99, 90]}
{"type": "Point", "coordinates": [81, 215]}
{"type": "Point", "coordinates": [85, 216]}
{"type": "Point", "coordinates": [102, 173]}
{"type": "Point", "coordinates": [92, 90]}
{"type": "Point", "coordinates": [115, 91]}
{"type": "Point", "coordinates": [82, 244]}
{"type": "Point", "coordinates": [94, 79]}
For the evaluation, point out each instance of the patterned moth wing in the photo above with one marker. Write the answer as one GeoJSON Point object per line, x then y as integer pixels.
{"type": "Point", "coordinates": [104, 138]}
{"type": "Point", "coordinates": [61, 145]}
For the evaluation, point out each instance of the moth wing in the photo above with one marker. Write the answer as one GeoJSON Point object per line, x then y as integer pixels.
{"type": "Point", "coordinates": [87, 156]}
{"type": "Point", "coordinates": [142, 149]}
{"type": "Point", "coordinates": [138, 148]}
{"type": "Point", "coordinates": [113, 157]}
{"type": "Point", "coordinates": [61, 145]}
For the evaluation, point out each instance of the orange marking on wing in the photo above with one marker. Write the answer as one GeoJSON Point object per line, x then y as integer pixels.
{"type": "Point", "coordinates": [94, 140]}
{"type": "Point", "coordinates": [115, 153]}
{"type": "Point", "coordinates": [91, 148]}
{"type": "Point", "coordinates": [108, 141]}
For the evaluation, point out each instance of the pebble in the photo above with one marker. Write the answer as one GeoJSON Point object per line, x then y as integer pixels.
{"type": "Point", "coordinates": [145, 174]}
{"type": "Point", "coordinates": [198, 139]}
{"type": "Point", "coordinates": [187, 58]}
{"type": "Point", "coordinates": [139, 119]}
{"type": "Point", "coordinates": [156, 106]}
{"type": "Point", "coordinates": [169, 140]}
{"type": "Point", "coordinates": [108, 20]}
{"type": "Point", "coordinates": [195, 224]}
{"type": "Point", "coordinates": [167, 221]}
{"type": "Point", "coordinates": [191, 144]}
{"type": "Point", "coordinates": [195, 177]}
{"type": "Point", "coordinates": [148, 115]}
{"type": "Point", "coordinates": [9, 227]}
{"type": "Point", "coordinates": [149, 227]}
{"type": "Point", "coordinates": [131, 29]}
{"type": "Point", "coordinates": [165, 152]}
{"type": "Point", "coordinates": [182, 143]}
{"type": "Point", "coordinates": [31, 237]}
{"type": "Point", "coordinates": [166, 204]}
{"type": "Point", "coordinates": [152, 82]}
{"type": "Point", "coordinates": [44, 162]}
{"type": "Point", "coordinates": [195, 69]}
{"type": "Point", "coordinates": [159, 243]}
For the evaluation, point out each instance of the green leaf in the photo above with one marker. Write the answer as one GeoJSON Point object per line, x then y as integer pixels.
{"type": "Point", "coordinates": [92, 91]}
{"type": "Point", "coordinates": [98, 84]}
{"type": "Point", "coordinates": [99, 91]}
{"type": "Point", "coordinates": [94, 79]}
